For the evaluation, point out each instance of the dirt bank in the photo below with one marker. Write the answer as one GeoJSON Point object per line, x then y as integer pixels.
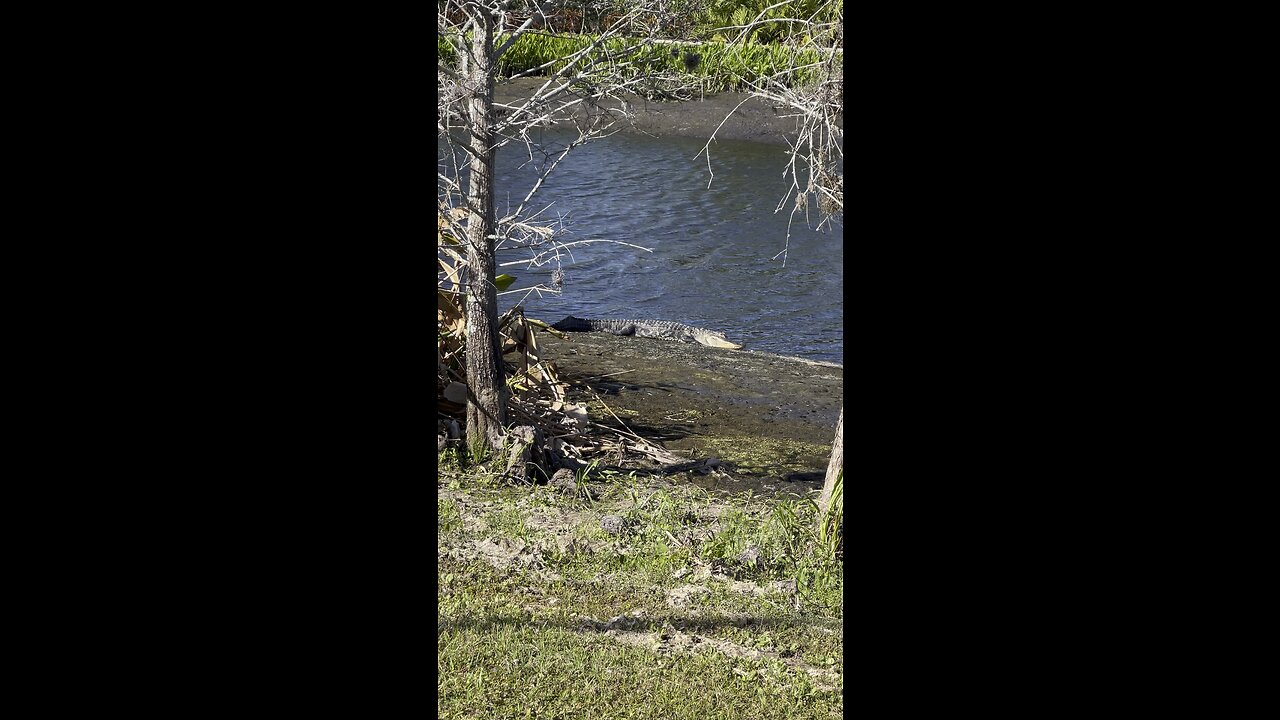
{"type": "Point", "coordinates": [770, 418]}
{"type": "Point", "coordinates": [755, 120]}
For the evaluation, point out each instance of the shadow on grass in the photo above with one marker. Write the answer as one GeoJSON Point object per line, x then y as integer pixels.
{"type": "Point", "coordinates": [647, 623]}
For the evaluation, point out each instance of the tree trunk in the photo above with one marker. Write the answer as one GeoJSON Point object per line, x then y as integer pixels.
{"type": "Point", "coordinates": [834, 467]}
{"type": "Point", "coordinates": [487, 399]}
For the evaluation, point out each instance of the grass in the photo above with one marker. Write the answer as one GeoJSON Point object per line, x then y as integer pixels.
{"type": "Point", "coordinates": [502, 652]}
{"type": "Point", "coordinates": [542, 614]}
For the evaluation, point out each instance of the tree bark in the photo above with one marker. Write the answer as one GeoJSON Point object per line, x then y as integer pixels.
{"type": "Point", "coordinates": [834, 468]}
{"type": "Point", "coordinates": [487, 399]}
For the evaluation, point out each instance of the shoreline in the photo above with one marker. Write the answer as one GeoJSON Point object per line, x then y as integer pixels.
{"type": "Point", "coordinates": [755, 120]}
{"type": "Point", "coordinates": [770, 418]}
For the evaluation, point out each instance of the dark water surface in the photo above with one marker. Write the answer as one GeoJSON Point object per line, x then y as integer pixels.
{"type": "Point", "coordinates": [711, 263]}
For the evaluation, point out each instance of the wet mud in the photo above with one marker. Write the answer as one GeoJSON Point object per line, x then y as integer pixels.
{"type": "Point", "coordinates": [729, 115]}
{"type": "Point", "coordinates": [770, 419]}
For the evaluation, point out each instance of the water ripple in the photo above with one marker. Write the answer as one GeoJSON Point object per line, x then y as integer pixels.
{"type": "Point", "coordinates": [711, 264]}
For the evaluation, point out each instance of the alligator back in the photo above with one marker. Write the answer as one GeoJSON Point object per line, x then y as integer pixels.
{"type": "Point", "coordinates": [660, 329]}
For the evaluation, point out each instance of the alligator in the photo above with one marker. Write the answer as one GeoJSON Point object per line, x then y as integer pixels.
{"type": "Point", "coordinates": [661, 329]}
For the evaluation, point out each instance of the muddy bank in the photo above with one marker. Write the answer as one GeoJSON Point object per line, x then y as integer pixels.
{"type": "Point", "coordinates": [771, 419]}
{"type": "Point", "coordinates": [755, 121]}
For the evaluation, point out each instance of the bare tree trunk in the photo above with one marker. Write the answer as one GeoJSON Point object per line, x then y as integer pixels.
{"type": "Point", "coordinates": [577, 93]}
{"type": "Point", "coordinates": [487, 401]}
{"type": "Point", "coordinates": [834, 467]}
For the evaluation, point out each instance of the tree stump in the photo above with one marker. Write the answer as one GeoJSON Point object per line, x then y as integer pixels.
{"type": "Point", "coordinates": [526, 459]}
{"type": "Point", "coordinates": [834, 468]}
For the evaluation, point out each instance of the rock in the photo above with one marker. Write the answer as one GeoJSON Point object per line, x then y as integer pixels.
{"type": "Point", "coordinates": [749, 559]}
{"type": "Point", "coordinates": [564, 481]}
{"type": "Point", "coordinates": [613, 524]}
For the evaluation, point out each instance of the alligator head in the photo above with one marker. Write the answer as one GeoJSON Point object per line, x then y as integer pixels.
{"type": "Point", "coordinates": [714, 339]}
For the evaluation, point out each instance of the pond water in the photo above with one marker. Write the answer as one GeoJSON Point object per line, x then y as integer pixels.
{"type": "Point", "coordinates": [713, 249]}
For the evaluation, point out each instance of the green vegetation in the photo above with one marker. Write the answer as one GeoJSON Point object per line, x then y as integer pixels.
{"type": "Point", "coordinates": [703, 606]}
{"type": "Point", "coordinates": [758, 454]}
{"type": "Point", "coordinates": [722, 19]}
{"type": "Point", "coordinates": [716, 66]}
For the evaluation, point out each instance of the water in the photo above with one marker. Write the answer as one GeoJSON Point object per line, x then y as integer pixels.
{"type": "Point", "coordinates": [711, 262]}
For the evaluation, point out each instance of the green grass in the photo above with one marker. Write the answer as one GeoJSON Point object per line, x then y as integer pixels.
{"type": "Point", "coordinates": [448, 516]}
{"type": "Point", "coordinates": [527, 637]}
{"type": "Point", "coordinates": [505, 651]}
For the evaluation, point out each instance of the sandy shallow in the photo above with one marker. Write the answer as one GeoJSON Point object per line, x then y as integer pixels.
{"type": "Point", "coordinates": [754, 120]}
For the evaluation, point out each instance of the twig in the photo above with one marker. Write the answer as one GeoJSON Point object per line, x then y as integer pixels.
{"type": "Point", "coordinates": [597, 377]}
{"type": "Point", "coordinates": [620, 422]}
